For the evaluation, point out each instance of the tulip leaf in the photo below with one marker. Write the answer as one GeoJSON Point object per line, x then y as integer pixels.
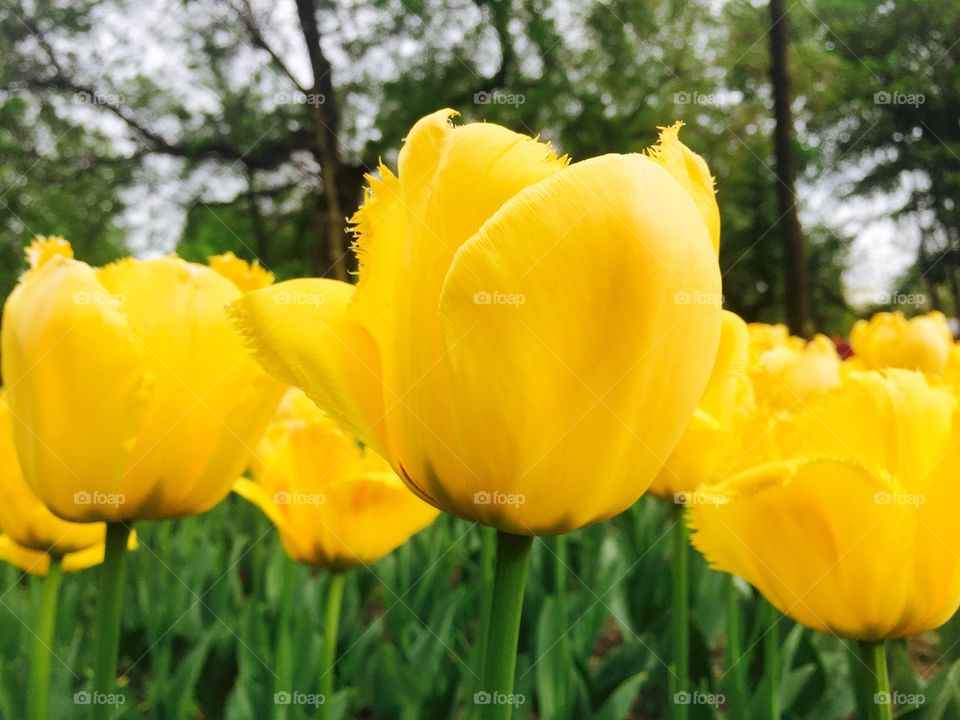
{"type": "Point", "coordinates": [618, 705]}
{"type": "Point", "coordinates": [554, 666]}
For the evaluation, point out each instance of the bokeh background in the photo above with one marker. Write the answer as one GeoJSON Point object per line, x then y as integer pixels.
{"type": "Point", "coordinates": [202, 126]}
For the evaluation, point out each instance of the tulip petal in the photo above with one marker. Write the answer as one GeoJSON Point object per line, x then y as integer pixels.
{"type": "Point", "coordinates": [820, 539]}
{"type": "Point", "coordinates": [245, 275]}
{"type": "Point", "coordinates": [907, 434]}
{"type": "Point", "coordinates": [691, 171]}
{"type": "Point", "coordinates": [712, 438]}
{"type": "Point", "coordinates": [55, 324]}
{"type": "Point", "coordinates": [36, 562]}
{"type": "Point", "coordinates": [261, 497]}
{"type": "Point", "coordinates": [202, 374]}
{"type": "Point", "coordinates": [450, 180]}
{"type": "Point", "coordinates": [555, 317]}
{"type": "Point", "coordinates": [937, 558]}
{"type": "Point", "coordinates": [23, 517]}
{"type": "Point", "coordinates": [367, 516]}
{"type": "Point", "coordinates": [303, 333]}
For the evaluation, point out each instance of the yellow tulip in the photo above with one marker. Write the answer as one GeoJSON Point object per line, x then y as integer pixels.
{"type": "Point", "coordinates": [712, 439]}
{"type": "Point", "coordinates": [789, 372]}
{"type": "Point", "coordinates": [854, 531]}
{"type": "Point", "coordinates": [131, 393]}
{"type": "Point", "coordinates": [951, 373]}
{"type": "Point", "coordinates": [36, 562]}
{"type": "Point", "coordinates": [890, 340]}
{"type": "Point", "coordinates": [31, 533]}
{"type": "Point", "coordinates": [335, 503]}
{"type": "Point", "coordinates": [522, 329]}
{"type": "Point", "coordinates": [765, 337]}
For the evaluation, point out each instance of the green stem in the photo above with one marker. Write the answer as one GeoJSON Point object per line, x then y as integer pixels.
{"type": "Point", "coordinates": [43, 642]}
{"type": "Point", "coordinates": [736, 663]}
{"type": "Point", "coordinates": [112, 577]}
{"type": "Point", "coordinates": [284, 646]}
{"type": "Point", "coordinates": [510, 579]}
{"type": "Point", "coordinates": [562, 683]}
{"type": "Point", "coordinates": [874, 655]}
{"type": "Point", "coordinates": [331, 630]}
{"type": "Point", "coordinates": [488, 553]}
{"type": "Point", "coordinates": [680, 672]}
{"type": "Point", "coordinates": [771, 659]}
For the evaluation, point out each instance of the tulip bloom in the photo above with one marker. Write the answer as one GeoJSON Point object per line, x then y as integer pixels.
{"type": "Point", "coordinates": [133, 396]}
{"type": "Point", "coordinates": [788, 371]}
{"type": "Point", "coordinates": [38, 542]}
{"type": "Point", "coordinates": [335, 503]}
{"type": "Point", "coordinates": [521, 326]}
{"type": "Point", "coordinates": [827, 532]}
{"type": "Point", "coordinates": [887, 340]}
{"type": "Point", "coordinates": [479, 356]}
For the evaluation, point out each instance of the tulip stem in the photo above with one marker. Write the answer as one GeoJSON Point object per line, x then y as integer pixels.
{"type": "Point", "coordinates": [736, 665]}
{"type": "Point", "coordinates": [488, 552]}
{"type": "Point", "coordinates": [43, 642]}
{"type": "Point", "coordinates": [771, 659]}
{"type": "Point", "coordinates": [510, 579]}
{"type": "Point", "coordinates": [331, 630]}
{"type": "Point", "coordinates": [679, 673]}
{"type": "Point", "coordinates": [284, 657]}
{"type": "Point", "coordinates": [112, 577]}
{"type": "Point", "coordinates": [874, 655]}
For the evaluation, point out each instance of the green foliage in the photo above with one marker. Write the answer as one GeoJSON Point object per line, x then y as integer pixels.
{"type": "Point", "coordinates": [217, 620]}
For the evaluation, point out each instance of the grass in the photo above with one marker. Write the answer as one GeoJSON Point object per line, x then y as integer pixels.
{"type": "Point", "coordinates": [219, 623]}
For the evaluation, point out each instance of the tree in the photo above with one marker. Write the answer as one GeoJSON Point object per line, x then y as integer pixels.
{"type": "Point", "coordinates": [896, 93]}
{"type": "Point", "coordinates": [795, 268]}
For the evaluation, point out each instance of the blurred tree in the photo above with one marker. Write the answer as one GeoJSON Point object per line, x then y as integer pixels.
{"type": "Point", "coordinates": [898, 93]}
{"type": "Point", "coordinates": [788, 224]}
{"type": "Point", "coordinates": [253, 124]}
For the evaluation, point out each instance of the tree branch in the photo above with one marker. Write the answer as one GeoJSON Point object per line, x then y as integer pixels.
{"type": "Point", "coordinates": [249, 20]}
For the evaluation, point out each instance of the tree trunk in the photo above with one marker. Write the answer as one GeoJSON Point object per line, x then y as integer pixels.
{"type": "Point", "coordinates": [796, 286]}
{"type": "Point", "coordinates": [256, 221]}
{"type": "Point", "coordinates": [328, 218]}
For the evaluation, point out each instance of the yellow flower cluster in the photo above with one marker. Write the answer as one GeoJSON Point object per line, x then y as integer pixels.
{"type": "Point", "coordinates": [835, 496]}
